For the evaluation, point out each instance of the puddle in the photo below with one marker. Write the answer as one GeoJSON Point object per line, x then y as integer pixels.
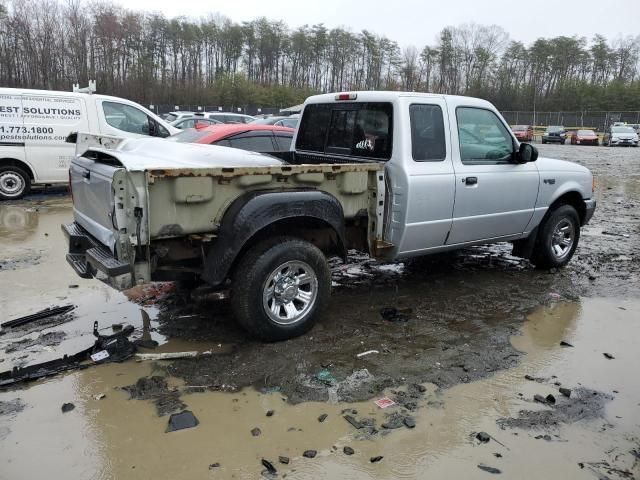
{"type": "Point", "coordinates": [118, 438]}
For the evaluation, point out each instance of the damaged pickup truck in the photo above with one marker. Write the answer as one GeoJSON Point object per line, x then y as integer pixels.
{"type": "Point", "coordinates": [395, 174]}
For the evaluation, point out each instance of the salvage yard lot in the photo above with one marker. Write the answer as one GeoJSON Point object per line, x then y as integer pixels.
{"type": "Point", "coordinates": [474, 337]}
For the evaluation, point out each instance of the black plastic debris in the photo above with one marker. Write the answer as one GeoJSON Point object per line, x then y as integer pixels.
{"type": "Point", "coordinates": [488, 469]}
{"type": "Point", "coordinates": [551, 400]}
{"type": "Point", "coordinates": [180, 421]}
{"type": "Point", "coordinates": [256, 432]}
{"type": "Point", "coordinates": [214, 465]}
{"type": "Point", "coordinates": [376, 459]}
{"type": "Point", "coordinates": [392, 314]}
{"type": "Point", "coordinates": [67, 407]}
{"type": "Point", "coordinates": [309, 453]}
{"type": "Point", "coordinates": [322, 417]}
{"type": "Point", "coordinates": [348, 451]}
{"type": "Point", "coordinates": [269, 466]}
{"type": "Point", "coordinates": [609, 356]}
{"type": "Point", "coordinates": [483, 437]}
{"type": "Point", "coordinates": [540, 398]}
{"type": "Point", "coordinates": [409, 422]}
{"type": "Point", "coordinates": [145, 343]}
{"type": "Point", "coordinates": [565, 344]}
{"type": "Point", "coordinates": [283, 460]}
{"type": "Point", "coordinates": [270, 413]}
{"type": "Point", "coordinates": [47, 312]}
{"type": "Point", "coordinates": [355, 423]}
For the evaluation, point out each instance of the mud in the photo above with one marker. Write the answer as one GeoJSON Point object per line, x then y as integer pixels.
{"type": "Point", "coordinates": [473, 327]}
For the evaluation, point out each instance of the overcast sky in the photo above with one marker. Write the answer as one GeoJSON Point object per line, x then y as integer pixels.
{"type": "Point", "coordinates": [417, 22]}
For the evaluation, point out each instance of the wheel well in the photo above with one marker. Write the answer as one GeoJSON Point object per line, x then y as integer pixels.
{"type": "Point", "coordinates": [575, 200]}
{"type": "Point", "coordinates": [16, 163]}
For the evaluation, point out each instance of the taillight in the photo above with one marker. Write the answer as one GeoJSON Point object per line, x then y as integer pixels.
{"type": "Point", "coordinates": [70, 187]}
{"type": "Point", "coordinates": [346, 96]}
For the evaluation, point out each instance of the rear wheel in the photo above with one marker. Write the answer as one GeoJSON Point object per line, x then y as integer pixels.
{"type": "Point", "coordinates": [557, 238]}
{"type": "Point", "coordinates": [14, 183]}
{"type": "Point", "coordinates": [279, 288]}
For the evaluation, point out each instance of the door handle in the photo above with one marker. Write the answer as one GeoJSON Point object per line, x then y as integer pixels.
{"type": "Point", "coordinates": [470, 180]}
{"type": "Point", "coordinates": [86, 174]}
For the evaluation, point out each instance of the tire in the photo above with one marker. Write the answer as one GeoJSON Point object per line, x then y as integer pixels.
{"type": "Point", "coordinates": [14, 183]}
{"type": "Point", "coordinates": [552, 249]}
{"type": "Point", "coordinates": [283, 315]}
{"type": "Point", "coordinates": [544, 142]}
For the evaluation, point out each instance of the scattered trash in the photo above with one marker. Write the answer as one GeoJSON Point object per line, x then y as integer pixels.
{"type": "Point", "coordinates": [322, 417]}
{"type": "Point", "coordinates": [74, 286]}
{"type": "Point", "coordinates": [167, 355]}
{"type": "Point", "coordinates": [392, 314]}
{"type": "Point", "coordinates": [101, 355]}
{"type": "Point", "coordinates": [309, 453]}
{"type": "Point", "coordinates": [384, 402]}
{"type": "Point", "coordinates": [409, 422]}
{"type": "Point", "coordinates": [324, 376]}
{"type": "Point", "coordinates": [565, 391]}
{"type": "Point", "coordinates": [488, 469]}
{"type": "Point", "coordinates": [116, 327]}
{"type": "Point", "coordinates": [545, 400]}
{"type": "Point", "coordinates": [497, 455]}
{"type": "Point", "coordinates": [348, 451]}
{"type": "Point", "coordinates": [47, 312]}
{"type": "Point", "coordinates": [614, 234]}
{"type": "Point", "coordinates": [67, 407]}
{"type": "Point", "coordinates": [269, 466]}
{"type": "Point", "coordinates": [368, 352]}
{"type": "Point", "coordinates": [550, 399]}
{"type": "Point", "coordinates": [544, 437]}
{"type": "Point", "coordinates": [214, 465]}
{"type": "Point", "coordinates": [483, 437]}
{"type": "Point", "coordinates": [609, 356]}
{"type": "Point", "coordinates": [283, 460]}
{"type": "Point", "coordinates": [180, 421]}
{"type": "Point", "coordinates": [100, 396]}
{"type": "Point", "coordinates": [355, 423]}
{"type": "Point", "coordinates": [565, 344]}
{"type": "Point", "coordinates": [256, 432]}
{"type": "Point", "coordinates": [156, 389]}
{"type": "Point", "coordinates": [376, 459]}
{"type": "Point", "coordinates": [145, 343]}
{"type": "Point", "coordinates": [270, 413]}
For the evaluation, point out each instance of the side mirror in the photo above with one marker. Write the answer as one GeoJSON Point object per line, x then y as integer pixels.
{"type": "Point", "coordinates": [526, 153]}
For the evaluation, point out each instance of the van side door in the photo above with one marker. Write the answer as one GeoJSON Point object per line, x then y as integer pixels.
{"type": "Point", "coordinates": [423, 186]}
{"type": "Point", "coordinates": [495, 196]}
{"type": "Point", "coordinates": [48, 120]}
{"type": "Point", "coordinates": [124, 120]}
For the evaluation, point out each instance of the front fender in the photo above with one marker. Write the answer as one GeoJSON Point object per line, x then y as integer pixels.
{"type": "Point", "coordinates": [256, 210]}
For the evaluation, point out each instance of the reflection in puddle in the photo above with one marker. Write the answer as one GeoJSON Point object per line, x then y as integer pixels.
{"type": "Point", "coordinates": [120, 438]}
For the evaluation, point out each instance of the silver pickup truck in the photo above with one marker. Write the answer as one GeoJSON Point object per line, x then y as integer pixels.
{"type": "Point", "coordinates": [395, 174]}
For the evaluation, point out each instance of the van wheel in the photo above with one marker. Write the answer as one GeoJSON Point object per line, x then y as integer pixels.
{"type": "Point", "coordinates": [557, 238]}
{"type": "Point", "coordinates": [279, 288]}
{"type": "Point", "coordinates": [14, 183]}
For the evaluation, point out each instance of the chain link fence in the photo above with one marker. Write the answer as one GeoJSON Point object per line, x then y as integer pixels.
{"type": "Point", "coordinates": [597, 121]}
{"type": "Point", "coordinates": [246, 110]}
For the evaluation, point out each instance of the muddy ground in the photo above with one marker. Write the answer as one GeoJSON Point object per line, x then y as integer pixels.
{"type": "Point", "coordinates": [472, 325]}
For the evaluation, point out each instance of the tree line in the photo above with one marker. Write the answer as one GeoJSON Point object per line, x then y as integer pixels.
{"type": "Point", "coordinates": [215, 61]}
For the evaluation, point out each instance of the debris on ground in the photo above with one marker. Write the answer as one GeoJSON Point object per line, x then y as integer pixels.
{"type": "Point", "coordinates": [168, 355]}
{"type": "Point", "coordinates": [392, 314]}
{"type": "Point", "coordinates": [609, 356]}
{"type": "Point", "coordinates": [269, 466]}
{"type": "Point", "coordinates": [384, 402]}
{"type": "Point", "coordinates": [322, 417]}
{"type": "Point", "coordinates": [355, 423]}
{"type": "Point", "coordinates": [145, 343]}
{"type": "Point", "coordinates": [283, 460]}
{"type": "Point", "coordinates": [488, 469]}
{"type": "Point", "coordinates": [409, 422]}
{"type": "Point", "coordinates": [214, 465]}
{"type": "Point", "coordinates": [48, 339]}
{"type": "Point", "coordinates": [67, 407]}
{"type": "Point", "coordinates": [348, 451]}
{"type": "Point", "coordinates": [483, 437]}
{"type": "Point", "coordinates": [565, 344]}
{"type": "Point", "coordinates": [270, 413]}
{"type": "Point", "coordinates": [324, 376]}
{"type": "Point", "coordinates": [368, 352]}
{"type": "Point", "coordinates": [100, 396]}
{"type": "Point", "coordinates": [155, 388]}
{"type": "Point", "coordinates": [47, 312]}
{"type": "Point", "coordinates": [11, 407]}
{"type": "Point", "coordinates": [256, 432]}
{"type": "Point", "coordinates": [309, 453]}
{"type": "Point", "coordinates": [548, 400]}
{"type": "Point", "coordinates": [182, 420]}
{"type": "Point", "coordinates": [565, 391]}
{"type": "Point", "coordinates": [376, 459]}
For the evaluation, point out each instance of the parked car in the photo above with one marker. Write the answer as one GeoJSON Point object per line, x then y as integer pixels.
{"type": "Point", "coordinates": [35, 123]}
{"type": "Point", "coordinates": [177, 115]}
{"type": "Point", "coordinates": [635, 126]}
{"type": "Point", "coordinates": [584, 137]}
{"type": "Point", "coordinates": [247, 136]}
{"type": "Point", "coordinates": [290, 122]}
{"type": "Point", "coordinates": [192, 121]}
{"type": "Point", "coordinates": [396, 174]}
{"type": "Point", "coordinates": [620, 136]}
{"type": "Point", "coordinates": [227, 117]}
{"type": "Point", "coordinates": [554, 134]}
{"type": "Point", "coordinates": [524, 133]}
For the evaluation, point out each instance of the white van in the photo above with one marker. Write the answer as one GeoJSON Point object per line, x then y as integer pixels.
{"type": "Point", "coordinates": [35, 123]}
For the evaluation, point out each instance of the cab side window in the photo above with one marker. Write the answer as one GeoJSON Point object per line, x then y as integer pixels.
{"type": "Point", "coordinates": [427, 133]}
{"type": "Point", "coordinates": [483, 137]}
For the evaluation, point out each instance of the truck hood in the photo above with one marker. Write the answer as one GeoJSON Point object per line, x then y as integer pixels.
{"type": "Point", "coordinates": [141, 154]}
{"type": "Point", "coordinates": [553, 165]}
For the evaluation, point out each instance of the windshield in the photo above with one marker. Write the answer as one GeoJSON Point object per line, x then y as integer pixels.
{"type": "Point", "coordinates": [622, 130]}
{"type": "Point", "coordinates": [519, 128]}
{"type": "Point", "coordinates": [189, 136]}
{"type": "Point", "coordinates": [555, 129]}
{"type": "Point", "coordinates": [169, 117]}
{"type": "Point", "coordinates": [265, 121]}
{"type": "Point", "coordinates": [586, 132]}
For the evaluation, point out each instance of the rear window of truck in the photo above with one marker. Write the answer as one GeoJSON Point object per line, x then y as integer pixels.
{"type": "Point", "coordinates": [354, 129]}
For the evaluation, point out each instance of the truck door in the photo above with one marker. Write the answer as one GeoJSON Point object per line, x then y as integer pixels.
{"type": "Point", "coordinates": [495, 196]}
{"type": "Point", "coordinates": [423, 189]}
{"type": "Point", "coordinates": [48, 120]}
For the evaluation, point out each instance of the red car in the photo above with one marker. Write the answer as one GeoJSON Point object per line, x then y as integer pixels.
{"type": "Point", "coordinates": [524, 133]}
{"type": "Point", "coordinates": [584, 137]}
{"type": "Point", "coordinates": [246, 136]}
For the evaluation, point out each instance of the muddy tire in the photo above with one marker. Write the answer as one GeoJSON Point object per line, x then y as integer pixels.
{"type": "Point", "coordinates": [14, 183]}
{"type": "Point", "coordinates": [280, 287]}
{"type": "Point", "coordinates": [558, 238]}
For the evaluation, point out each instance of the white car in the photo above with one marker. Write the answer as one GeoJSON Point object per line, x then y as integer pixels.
{"type": "Point", "coordinates": [34, 125]}
{"type": "Point", "coordinates": [619, 136]}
